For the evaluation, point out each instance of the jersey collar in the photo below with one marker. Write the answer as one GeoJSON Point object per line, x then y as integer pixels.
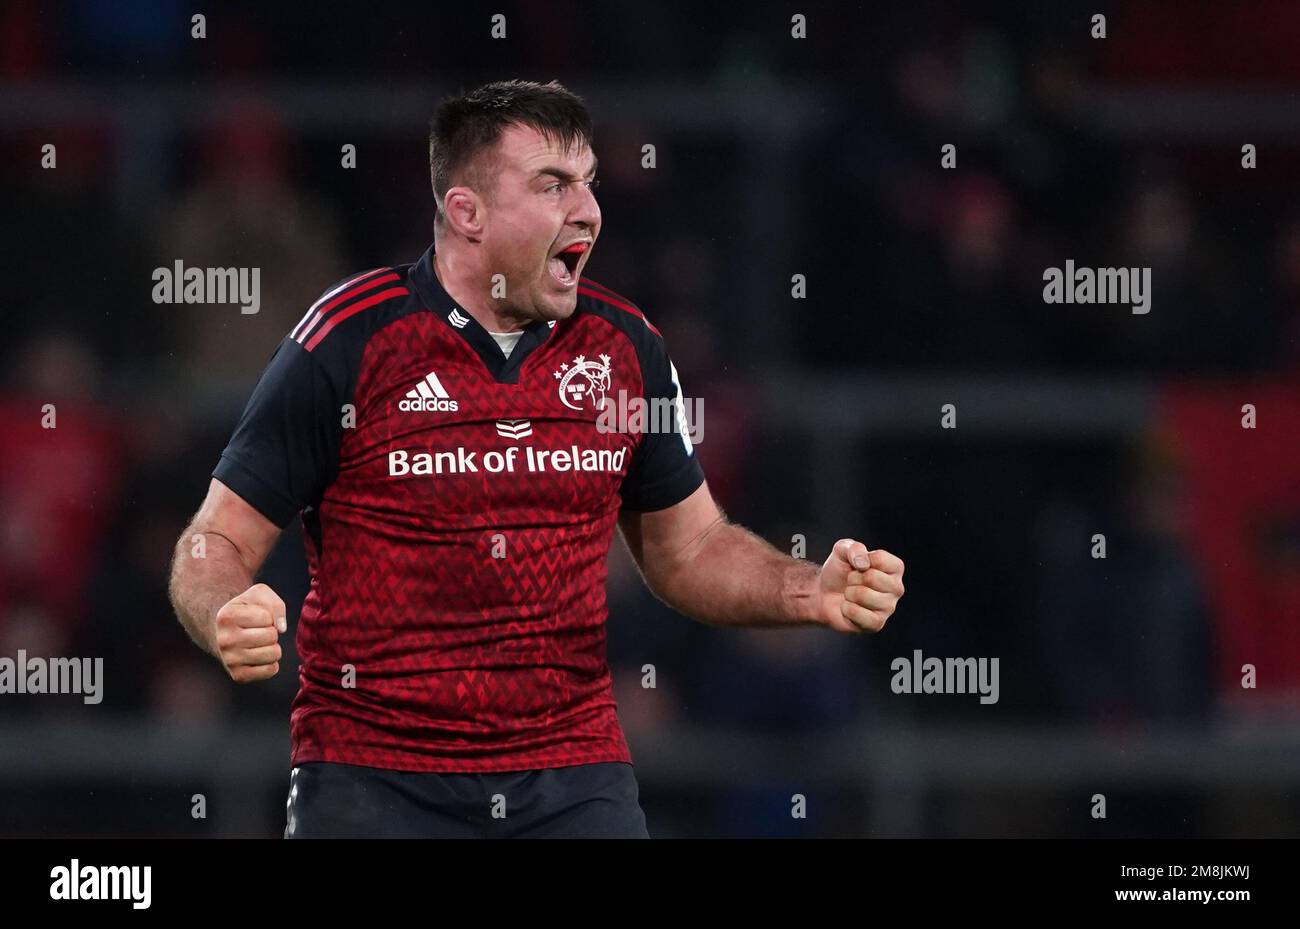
{"type": "Point", "coordinates": [441, 304]}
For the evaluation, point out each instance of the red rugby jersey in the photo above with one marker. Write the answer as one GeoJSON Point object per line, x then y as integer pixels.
{"type": "Point", "coordinates": [458, 509]}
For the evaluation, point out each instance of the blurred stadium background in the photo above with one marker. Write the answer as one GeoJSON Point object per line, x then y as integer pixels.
{"type": "Point", "coordinates": [776, 156]}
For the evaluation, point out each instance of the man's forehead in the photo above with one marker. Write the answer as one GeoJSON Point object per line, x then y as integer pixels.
{"type": "Point", "coordinates": [528, 149]}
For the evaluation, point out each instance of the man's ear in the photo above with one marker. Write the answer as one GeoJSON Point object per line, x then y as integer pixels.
{"type": "Point", "coordinates": [463, 212]}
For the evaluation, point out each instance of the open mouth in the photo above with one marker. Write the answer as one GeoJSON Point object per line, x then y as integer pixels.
{"type": "Point", "coordinates": [564, 264]}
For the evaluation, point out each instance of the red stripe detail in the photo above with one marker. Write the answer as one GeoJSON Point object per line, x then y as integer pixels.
{"type": "Point", "coordinates": [297, 330]}
{"type": "Point", "coordinates": [607, 290]}
{"type": "Point", "coordinates": [346, 295]}
{"type": "Point", "coordinates": [626, 307]}
{"type": "Point", "coordinates": [353, 310]}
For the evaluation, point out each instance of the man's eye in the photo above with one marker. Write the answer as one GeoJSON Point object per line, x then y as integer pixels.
{"type": "Point", "coordinates": [558, 186]}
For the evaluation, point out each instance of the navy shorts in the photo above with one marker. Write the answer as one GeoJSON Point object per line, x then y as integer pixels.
{"type": "Point", "coordinates": [589, 801]}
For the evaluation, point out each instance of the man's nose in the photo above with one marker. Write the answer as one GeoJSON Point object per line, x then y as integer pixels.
{"type": "Point", "coordinates": [586, 212]}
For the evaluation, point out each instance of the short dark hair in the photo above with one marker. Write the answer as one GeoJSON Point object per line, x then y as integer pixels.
{"type": "Point", "coordinates": [467, 125]}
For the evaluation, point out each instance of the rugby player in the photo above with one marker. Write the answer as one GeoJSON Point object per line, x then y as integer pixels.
{"type": "Point", "coordinates": [434, 426]}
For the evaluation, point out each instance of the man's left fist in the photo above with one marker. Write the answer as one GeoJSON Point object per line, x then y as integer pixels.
{"type": "Point", "coordinates": [859, 588]}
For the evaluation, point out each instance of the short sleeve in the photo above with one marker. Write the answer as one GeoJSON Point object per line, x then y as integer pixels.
{"type": "Point", "coordinates": [284, 451]}
{"type": "Point", "coordinates": [664, 470]}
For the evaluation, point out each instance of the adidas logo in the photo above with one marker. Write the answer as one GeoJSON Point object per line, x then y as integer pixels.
{"type": "Point", "coordinates": [429, 396]}
{"type": "Point", "coordinates": [514, 428]}
{"type": "Point", "coordinates": [457, 319]}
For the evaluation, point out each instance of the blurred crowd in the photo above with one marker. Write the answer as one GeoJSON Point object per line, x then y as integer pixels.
{"type": "Point", "coordinates": [917, 270]}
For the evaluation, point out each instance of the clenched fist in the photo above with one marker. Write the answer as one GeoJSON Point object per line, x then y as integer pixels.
{"type": "Point", "coordinates": [859, 588]}
{"type": "Point", "coordinates": [248, 630]}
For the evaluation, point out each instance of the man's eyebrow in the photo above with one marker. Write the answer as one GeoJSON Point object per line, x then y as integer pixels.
{"type": "Point", "coordinates": [561, 174]}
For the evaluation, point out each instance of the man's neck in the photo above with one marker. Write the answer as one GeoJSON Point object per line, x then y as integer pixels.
{"type": "Point", "coordinates": [465, 290]}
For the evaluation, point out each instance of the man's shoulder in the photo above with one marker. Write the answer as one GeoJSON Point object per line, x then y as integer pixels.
{"type": "Point", "coordinates": [596, 299]}
{"type": "Point", "coordinates": [352, 308]}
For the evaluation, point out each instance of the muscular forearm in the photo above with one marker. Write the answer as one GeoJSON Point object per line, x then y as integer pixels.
{"type": "Point", "coordinates": [731, 577]}
{"type": "Point", "coordinates": [205, 576]}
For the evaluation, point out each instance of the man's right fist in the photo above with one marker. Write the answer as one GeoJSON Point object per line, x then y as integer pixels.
{"type": "Point", "coordinates": [248, 628]}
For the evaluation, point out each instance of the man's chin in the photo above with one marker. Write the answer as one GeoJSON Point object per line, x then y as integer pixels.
{"type": "Point", "coordinates": [559, 306]}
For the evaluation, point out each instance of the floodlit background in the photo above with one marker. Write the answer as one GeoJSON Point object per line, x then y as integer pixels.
{"type": "Point", "coordinates": [776, 156]}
